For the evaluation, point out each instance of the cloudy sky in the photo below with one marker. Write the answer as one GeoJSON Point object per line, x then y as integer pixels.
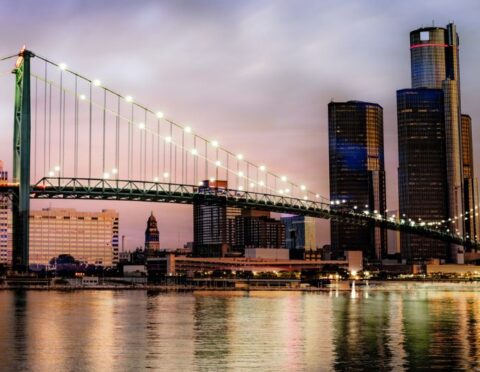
{"type": "Point", "coordinates": [257, 75]}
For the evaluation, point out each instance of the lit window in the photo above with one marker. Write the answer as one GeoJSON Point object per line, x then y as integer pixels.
{"type": "Point", "coordinates": [424, 36]}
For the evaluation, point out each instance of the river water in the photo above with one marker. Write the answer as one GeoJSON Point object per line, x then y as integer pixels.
{"type": "Point", "coordinates": [422, 327]}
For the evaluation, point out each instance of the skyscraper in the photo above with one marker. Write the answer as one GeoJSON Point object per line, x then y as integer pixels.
{"type": "Point", "coordinates": [152, 236]}
{"type": "Point", "coordinates": [357, 174]}
{"type": "Point", "coordinates": [432, 103]}
{"type": "Point", "coordinates": [470, 197]}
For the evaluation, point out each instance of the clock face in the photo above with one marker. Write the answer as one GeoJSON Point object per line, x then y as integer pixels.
{"type": "Point", "coordinates": [424, 36]}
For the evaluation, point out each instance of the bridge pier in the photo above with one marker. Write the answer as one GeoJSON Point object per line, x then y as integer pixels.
{"type": "Point", "coordinates": [21, 161]}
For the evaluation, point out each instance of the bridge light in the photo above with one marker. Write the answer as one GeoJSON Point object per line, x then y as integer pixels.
{"type": "Point", "coordinates": [187, 129]}
{"type": "Point", "coordinates": [252, 184]}
{"type": "Point", "coordinates": [366, 205]}
{"type": "Point", "coordinates": [159, 114]}
{"type": "Point", "coordinates": [200, 183]}
{"type": "Point", "coordinates": [240, 187]}
{"type": "Point", "coordinates": [128, 98]}
{"type": "Point", "coordinates": [165, 175]}
{"type": "Point", "coordinates": [375, 211]}
{"type": "Point", "coordinates": [51, 173]}
{"type": "Point", "coordinates": [337, 202]}
{"type": "Point", "coordinates": [305, 197]}
{"type": "Point", "coordinates": [240, 174]}
{"type": "Point", "coordinates": [106, 175]}
{"type": "Point", "coordinates": [239, 156]}
{"type": "Point", "coordinates": [212, 179]}
{"type": "Point", "coordinates": [344, 201]}
{"type": "Point", "coordinates": [141, 126]}
{"type": "Point", "coordinates": [214, 143]}
{"type": "Point", "coordinates": [114, 170]}
{"type": "Point", "coordinates": [303, 187]}
{"type": "Point", "coordinates": [96, 82]}
{"type": "Point", "coordinates": [317, 196]}
{"type": "Point", "coordinates": [57, 168]}
{"type": "Point", "coordinates": [280, 192]}
{"type": "Point", "coordinates": [287, 191]}
{"type": "Point", "coordinates": [62, 66]}
{"type": "Point", "coordinates": [262, 168]}
{"type": "Point", "coordinates": [194, 152]}
{"type": "Point", "coordinates": [332, 202]}
{"type": "Point", "coordinates": [155, 179]}
{"type": "Point", "coordinates": [261, 183]}
{"type": "Point", "coordinates": [355, 207]}
{"type": "Point", "coordinates": [168, 139]}
{"type": "Point", "coordinates": [366, 212]}
{"type": "Point", "coordinates": [218, 163]}
{"type": "Point", "coordinates": [284, 178]}
{"type": "Point", "coordinates": [83, 97]}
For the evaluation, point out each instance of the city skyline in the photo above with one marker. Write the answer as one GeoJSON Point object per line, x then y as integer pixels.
{"type": "Point", "coordinates": [293, 90]}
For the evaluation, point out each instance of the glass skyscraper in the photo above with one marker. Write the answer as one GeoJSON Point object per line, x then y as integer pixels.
{"type": "Point", "coordinates": [357, 174]}
{"type": "Point", "coordinates": [429, 115]}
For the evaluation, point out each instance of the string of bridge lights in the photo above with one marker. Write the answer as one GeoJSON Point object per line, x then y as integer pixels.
{"type": "Point", "coordinates": [405, 220]}
{"type": "Point", "coordinates": [252, 182]}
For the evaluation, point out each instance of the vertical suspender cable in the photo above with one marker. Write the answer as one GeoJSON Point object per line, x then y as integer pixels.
{"type": "Point", "coordinates": [62, 165]}
{"type": "Point", "coordinates": [145, 149]}
{"type": "Point", "coordinates": [50, 127]}
{"type": "Point", "coordinates": [158, 148]}
{"type": "Point", "coordinates": [75, 151]}
{"type": "Point", "coordinates": [60, 122]}
{"type": "Point", "coordinates": [36, 132]}
{"type": "Point", "coordinates": [117, 138]}
{"type": "Point", "coordinates": [104, 128]}
{"type": "Point", "coordinates": [90, 134]}
{"type": "Point", "coordinates": [45, 123]}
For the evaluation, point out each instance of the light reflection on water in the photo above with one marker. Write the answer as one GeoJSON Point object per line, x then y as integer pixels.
{"type": "Point", "coordinates": [421, 328]}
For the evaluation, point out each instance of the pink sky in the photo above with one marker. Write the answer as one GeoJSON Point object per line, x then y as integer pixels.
{"type": "Point", "coordinates": [256, 75]}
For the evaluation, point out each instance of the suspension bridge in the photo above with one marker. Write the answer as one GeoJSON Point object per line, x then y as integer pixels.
{"type": "Point", "coordinates": [74, 138]}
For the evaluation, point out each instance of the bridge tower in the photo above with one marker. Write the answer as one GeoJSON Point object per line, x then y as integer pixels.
{"type": "Point", "coordinates": [21, 161]}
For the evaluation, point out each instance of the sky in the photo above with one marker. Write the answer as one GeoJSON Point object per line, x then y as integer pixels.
{"type": "Point", "coordinates": [257, 75]}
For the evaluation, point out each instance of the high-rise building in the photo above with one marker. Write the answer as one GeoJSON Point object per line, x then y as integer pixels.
{"type": "Point", "coordinates": [90, 237]}
{"type": "Point", "coordinates": [299, 232]}
{"type": "Point", "coordinates": [423, 193]}
{"type": "Point", "coordinates": [357, 174]}
{"type": "Point", "coordinates": [5, 222]}
{"type": "Point", "coordinates": [152, 236]}
{"type": "Point", "coordinates": [470, 197]}
{"type": "Point", "coordinates": [258, 230]}
{"type": "Point", "coordinates": [432, 109]}
{"type": "Point", "coordinates": [213, 224]}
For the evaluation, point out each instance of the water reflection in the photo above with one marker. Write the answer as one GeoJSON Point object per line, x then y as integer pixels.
{"type": "Point", "coordinates": [421, 328]}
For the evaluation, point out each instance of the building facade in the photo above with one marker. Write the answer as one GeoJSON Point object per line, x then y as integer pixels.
{"type": "Point", "coordinates": [469, 184]}
{"type": "Point", "coordinates": [213, 224]}
{"type": "Point", "coordinates": [258, 232]}
{"type": "Point", "coordinates": [433, 105]}
{"type": "Point", "coordinates": [5, 222]}
{"type": "Point", "coordinates": [152, 236]}
{"type": "Point", "coordinates": [300, 232]}
{"type": "Point", "coordinates": [357, 174]}
{"type": "Point", "coordinates": [90, 237]}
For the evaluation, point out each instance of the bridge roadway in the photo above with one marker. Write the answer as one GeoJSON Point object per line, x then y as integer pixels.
{"type": "Point", "coordinates": [128, 190]}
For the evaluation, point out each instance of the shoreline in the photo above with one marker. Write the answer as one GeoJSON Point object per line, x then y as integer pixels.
{"type": "Point", "coordinates": [341, 286]}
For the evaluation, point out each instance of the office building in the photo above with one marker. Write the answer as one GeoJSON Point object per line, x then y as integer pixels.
{"type": "Point", "coordinates": [470, 197]}
{"type": "Point", "coordinates": [213, 224]}
{"type": "Point", "coordinates": [422, 174]}
{"type": "Point", "coordinates": [90, 237]}
{"type": "Point", "coordinates": [430, 113]}
{"type": "Point", "coordinates": [299, 232]}
{"type": "Point", "coordinates": [5, 222]}
{"type": "Point", "coordinates": [255, 229]}
{"type": "Point", "coordinates": [152, 236]}
{"type": "Point", "coordinates": [357, 175]}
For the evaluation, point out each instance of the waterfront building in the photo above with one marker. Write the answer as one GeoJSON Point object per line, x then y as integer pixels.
{"type": "Point", "coordinates": [213, 224]}
{"type": "Point", "coordinates": [428, 114]}
{"type": "Point", "coordinates": [152, 236]}
{"type": "Point", "coordinates": [90, 237]}
{"type": "Point", "coordinates": [357, 175]}
{"type": "Point", "coordinates": [300, 232]}
{"type": "Point", "coordinates": [5, 222]}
